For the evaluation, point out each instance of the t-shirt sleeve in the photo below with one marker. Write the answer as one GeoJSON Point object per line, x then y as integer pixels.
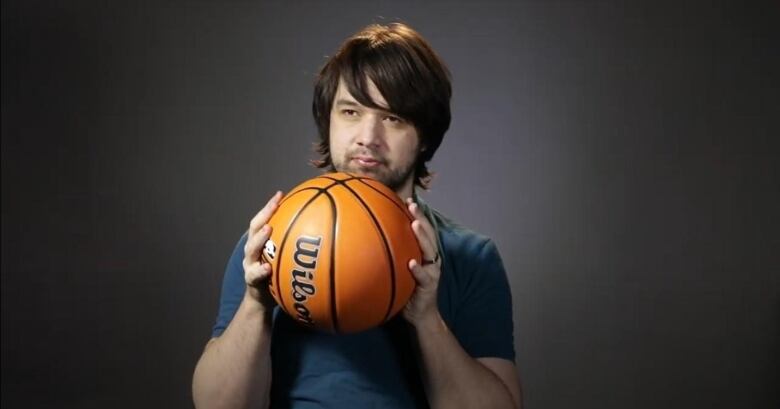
{"type": "Point", "coordinates": [233, 288]}
{"type": "Point", "coordinates": [484, 325]}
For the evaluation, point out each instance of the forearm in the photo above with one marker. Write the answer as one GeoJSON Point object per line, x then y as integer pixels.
{"type": "Point", "coordinates": [452, 378]}
{"type": "Point", "coordinates": [235, 369]}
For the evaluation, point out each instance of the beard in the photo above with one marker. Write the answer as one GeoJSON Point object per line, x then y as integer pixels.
{"type": "Point", "coordinates": [392, 177]}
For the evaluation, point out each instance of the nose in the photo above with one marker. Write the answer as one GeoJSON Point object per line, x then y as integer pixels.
{"type": "Point", "coordinates": [371, 132]}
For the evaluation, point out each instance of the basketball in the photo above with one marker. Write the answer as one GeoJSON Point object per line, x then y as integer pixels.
{"type": "Point", "coordinates": [339, 253]}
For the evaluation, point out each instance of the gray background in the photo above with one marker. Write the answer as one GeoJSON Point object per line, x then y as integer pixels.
{"type": "Point", "coordinates": [622, 155]}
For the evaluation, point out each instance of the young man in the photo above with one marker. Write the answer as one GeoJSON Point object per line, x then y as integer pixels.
{"type": "Point", "coordinates": [382, 107]}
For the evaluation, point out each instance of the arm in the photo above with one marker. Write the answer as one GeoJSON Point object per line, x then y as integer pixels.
{"type": "Point", "coordinates": [235, 368]}
{"type": "Point", "coordinates": [452, 378]}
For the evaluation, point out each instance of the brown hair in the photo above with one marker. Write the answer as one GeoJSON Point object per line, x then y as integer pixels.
{"type": "Point", "coordinates": [407, 72]}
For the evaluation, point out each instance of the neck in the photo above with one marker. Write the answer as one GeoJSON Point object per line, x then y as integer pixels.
{"type": "Point", "coordinates": [406, 190]}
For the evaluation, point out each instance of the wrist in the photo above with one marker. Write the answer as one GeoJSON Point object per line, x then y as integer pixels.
{"type": "Point", "coordinates": [255, 307]}
{"type": "Point", "coordinates": [431, 321]}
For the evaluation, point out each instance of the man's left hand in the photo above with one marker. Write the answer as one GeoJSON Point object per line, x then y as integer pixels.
{"type": "Point", "coordinates": [422, 305]}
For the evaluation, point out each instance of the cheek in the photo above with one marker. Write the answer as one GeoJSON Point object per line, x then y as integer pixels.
{"type": "Point", "coordinates": [337, 146]}
{"type": "Point", "coordinates": [411, 149]}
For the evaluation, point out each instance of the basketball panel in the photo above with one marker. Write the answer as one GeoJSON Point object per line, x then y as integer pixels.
{"type": "Point", "coordinates": [280, 222]}
{"type": "Point", "coordinates": [364, 283]}
{"type": "Point", "coordinates": [396, 224]}
{"type": "Point", "coordinates": [305, 276]}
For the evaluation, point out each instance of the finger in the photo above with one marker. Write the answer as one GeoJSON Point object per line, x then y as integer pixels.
{"type": "Point", "coordinates": [265, 213]}
{"type": "Point", "coordinates": [425, 233]}
{"type": "Point", "coordinates": [418, 214]}
{"type": "Point", "coordinates": [255, 274]}
{"type": "Point", "coordinates": [417, 273]}
{"type": "Point", "coordinates": [255, 243]}
{"type": "Point", "coordinates": [422, 276]}
{"type": "Point", "coordinates": [427, 245]}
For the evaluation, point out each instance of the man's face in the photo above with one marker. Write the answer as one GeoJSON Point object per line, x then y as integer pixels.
{"type": "Point", "coordinates": [372, 142]}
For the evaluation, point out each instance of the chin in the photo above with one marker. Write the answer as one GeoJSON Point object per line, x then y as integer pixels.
{"type": "Point", "coordinates": [360, 171]}
{"type": "Point", "coordinates": [378, 174]}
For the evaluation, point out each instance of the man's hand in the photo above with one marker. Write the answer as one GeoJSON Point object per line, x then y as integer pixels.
{"type": "Point", "coordinates": [422, 306]}
{"type": "Point", "coordinates": [256, 272]}
{"type": "Point", "coordinates": [451, 377]}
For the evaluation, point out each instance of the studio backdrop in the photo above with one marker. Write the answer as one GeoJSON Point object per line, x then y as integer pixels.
{"type": "Point", "coordinates": [622, 155]}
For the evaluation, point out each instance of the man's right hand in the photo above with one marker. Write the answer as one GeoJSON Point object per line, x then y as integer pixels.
{"type": "Point", "coordinates": [256, 272]}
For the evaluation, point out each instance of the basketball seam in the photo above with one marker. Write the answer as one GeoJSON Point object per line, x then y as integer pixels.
{"type": "Point", "coordinates": [351, 177]}
{"type": "Point", "coordinates": [295, 192]}
{"type": "Point", "coordinates": [363, 181]}
{"type": "Point", "coordinates": [333, 311]}
{"type": "Point", "coordinates": [403, 210]}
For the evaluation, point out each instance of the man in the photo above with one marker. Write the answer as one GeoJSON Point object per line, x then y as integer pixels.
{"type": "Point", "coordinates": [382, 107]}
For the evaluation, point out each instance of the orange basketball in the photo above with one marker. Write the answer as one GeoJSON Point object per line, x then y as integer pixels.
{"type": "Point", "coordinates": [339, 253]}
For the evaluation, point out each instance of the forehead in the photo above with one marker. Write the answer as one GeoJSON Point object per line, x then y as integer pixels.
{"type": "Point", "coordinates": [343, 94]}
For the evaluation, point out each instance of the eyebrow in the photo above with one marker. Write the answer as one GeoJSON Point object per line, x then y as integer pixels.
{"type": "Point", "coordinates": [351, 103]}
{"type": "Point", "coordinates": [346, 102]}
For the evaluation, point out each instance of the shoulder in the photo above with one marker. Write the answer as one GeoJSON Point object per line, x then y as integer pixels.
{"type": "Point", "coordinates": [474, 294]}
{"type": "Point", "coordinates": [462, 244]}
{"type": "Point", "coordinates": [471, 260]}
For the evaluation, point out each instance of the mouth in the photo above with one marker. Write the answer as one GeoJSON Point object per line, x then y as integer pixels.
{"type": "Point", "coordinates": [366, 161]}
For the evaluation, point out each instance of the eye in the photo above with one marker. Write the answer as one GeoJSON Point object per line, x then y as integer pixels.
{"type": "Point", "coordinates": [349, 112]}
{"type": "Point", "coordinates": [394, 119]}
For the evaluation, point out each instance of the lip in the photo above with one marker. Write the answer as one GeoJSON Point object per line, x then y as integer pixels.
{"type": "Point", "coordinates": [366, 161]}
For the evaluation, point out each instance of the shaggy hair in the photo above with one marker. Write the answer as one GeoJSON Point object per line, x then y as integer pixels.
{"type": "Point", "coordinates": [407, 72]}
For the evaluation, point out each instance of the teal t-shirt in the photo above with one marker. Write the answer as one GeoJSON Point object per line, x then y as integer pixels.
{"type": "Point", "coordinates": [377, 368]}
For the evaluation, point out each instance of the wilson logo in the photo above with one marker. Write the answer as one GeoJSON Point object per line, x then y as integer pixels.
{"type": "Point", "coordinates": [307, 251]}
